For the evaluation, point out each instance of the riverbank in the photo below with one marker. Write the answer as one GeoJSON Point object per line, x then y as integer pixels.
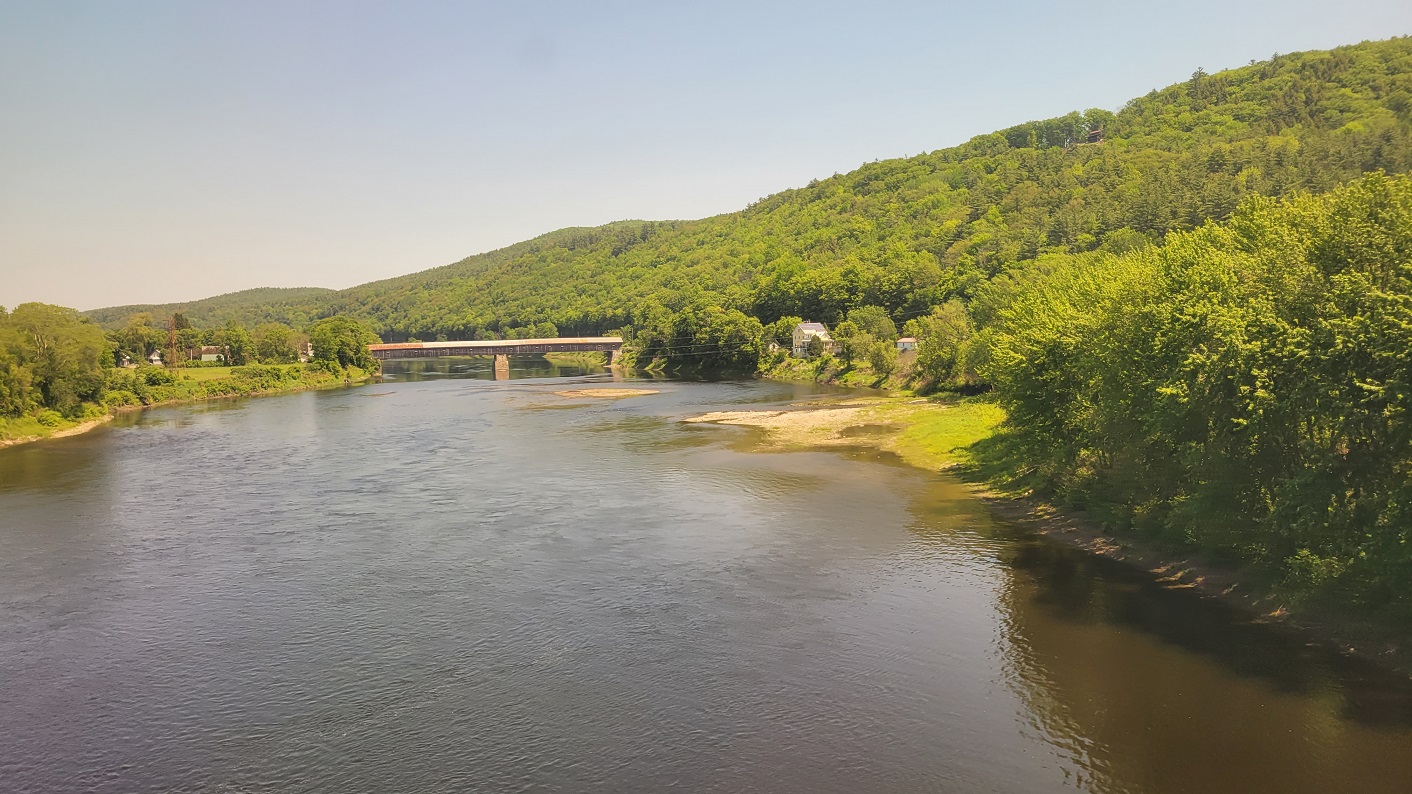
{"type": "Point", "coordinates": [929, 433]}
{"type": "Point", "coordinates": [834, 372]}
{"type": "Point", "coordinates": [936, 435]}
{"type": "Point", "coordinates": [27, 429]}
{"type": "Point", "coordinates": [138, 390]}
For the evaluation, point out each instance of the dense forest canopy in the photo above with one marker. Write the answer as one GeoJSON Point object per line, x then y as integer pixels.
{"type": "Point", "coordinates": [1246, 386]}
{"type": "Point", "coordinates": [909, 234]}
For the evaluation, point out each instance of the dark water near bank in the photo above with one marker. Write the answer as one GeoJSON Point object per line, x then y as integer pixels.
{"type": "Point", "coordinates": [443, 584]}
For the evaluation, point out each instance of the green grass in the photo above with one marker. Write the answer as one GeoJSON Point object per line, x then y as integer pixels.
{"type": "Point", "coordinates": [25, 426]}
{"type": "Point", "coordinates": [935, 439]}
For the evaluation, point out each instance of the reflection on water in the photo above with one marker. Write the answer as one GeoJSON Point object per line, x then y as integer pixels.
{"type": "Point", "coordinates": [483, 368]}
{"type": "Point", "coordinates": [1120, 671]}
{"type": "Point", "coordinates": [444, 584]}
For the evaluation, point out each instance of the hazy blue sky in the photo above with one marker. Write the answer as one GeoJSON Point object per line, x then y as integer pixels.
{"type": "Point", "coordinates": [158, 151]}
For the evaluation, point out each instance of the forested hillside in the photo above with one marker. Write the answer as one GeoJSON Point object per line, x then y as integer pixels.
{"type": "Point", "coordinates": [909, 234]}
{"type": "Point", "coordinates": [292, 306]}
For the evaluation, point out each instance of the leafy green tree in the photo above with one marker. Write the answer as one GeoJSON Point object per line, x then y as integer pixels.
{"type": "Point", "coordinates": [781, 331]}
{"type": "Point", "coordinates": [704, 336]}
{"type": "Point", "coordinates": [54, 358]}
{"type": "Point", "coordinates": [275, 344]}
{"type": "Point", "coordinates": [943, 340]}
{"type": "Point", "coordinates": [882, 357]}
{"type": "Point", "coordinates": [875, 321]}
{"type": "Point", "coordinates": [240, 347]}
{"type": "Point", "coordinates": [342, 341]}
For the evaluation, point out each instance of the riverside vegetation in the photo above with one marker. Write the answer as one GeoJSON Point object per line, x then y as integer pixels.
{"type": "Point", "coordinates": [1195, 310]}
{"type": "Point", "coordinates": [58, 369]}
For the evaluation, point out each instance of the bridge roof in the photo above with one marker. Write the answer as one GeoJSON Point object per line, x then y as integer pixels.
{"type": "Point", "coordinates": [558, 340]}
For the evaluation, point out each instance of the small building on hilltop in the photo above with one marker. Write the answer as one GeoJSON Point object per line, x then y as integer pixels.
{"type": "Point", "coordinates": [906, 343]}
{"type": "Point", "coordinates": [807, 331]}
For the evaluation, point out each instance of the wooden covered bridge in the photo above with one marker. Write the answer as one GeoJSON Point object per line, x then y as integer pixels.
{"type": "Point", "coordinates": [502, 349]}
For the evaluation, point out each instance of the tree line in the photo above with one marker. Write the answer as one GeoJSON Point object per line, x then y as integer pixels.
{"type": "Point", "coordinates": [57, 364]}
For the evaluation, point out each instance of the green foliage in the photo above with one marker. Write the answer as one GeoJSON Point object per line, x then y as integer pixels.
{"type": "Point", "coordinates": [239, 346]}
{"type": "Point", "coordinates": [882, 357]}
{"type": "Point", "coordinates": [51, 358]}
{"type": "Point", "coordinates": [907, 235]}
{"type": "Point", "coordinates": [1246, 386]}
{"type": "Point", "coordinates": [275, 343]}
{"type": "Point", "coordinates": [873, 320]}
{"type": "Point", "coordinates": [249, 307]}
{"type": "Point", "coordinates": [944, 345]}
{"type": "Point", "coordinates": [850, 341]}
{"type": "Point", "coordinates": [343, 342]}
{"type": "Point", "coordinates": [702, 336]}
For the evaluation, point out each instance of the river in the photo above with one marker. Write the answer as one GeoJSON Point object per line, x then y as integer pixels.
{"type": "Point", "coordinates": [447, 583]}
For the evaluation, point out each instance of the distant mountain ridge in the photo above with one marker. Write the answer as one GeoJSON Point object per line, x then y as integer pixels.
{"type": "Point", "coordinates": [242, 305]}
{"type": "Point", "coordinates": [908, 234]}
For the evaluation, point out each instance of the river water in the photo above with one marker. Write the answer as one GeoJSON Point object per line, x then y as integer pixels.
{"type": "Point", "coordinates": [448, 583]}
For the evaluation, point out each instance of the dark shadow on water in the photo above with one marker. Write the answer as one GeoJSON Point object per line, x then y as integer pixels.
{"type": "Point", "coordinates": [1073, 586]}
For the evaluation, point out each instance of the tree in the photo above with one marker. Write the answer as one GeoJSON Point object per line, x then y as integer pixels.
{"type": "Point", "coordinates": [275, 344]}
{"type": "Point", "coordinates": [342, 341]}
{"type": "Point", "coordinates": [850, 341]}
{"type": "Point", "coordinates": [139, 338]}
{"type": "Point", "coordinates": [874, 320]}
{"type": "Point", "coordinates": [942, 341]}
{"type": "Point", "coordinates": [882, 357]}
{"type": "Point", "coordinates": [54, 358]}
{"type": "Point", "coordinates": [240, 348]}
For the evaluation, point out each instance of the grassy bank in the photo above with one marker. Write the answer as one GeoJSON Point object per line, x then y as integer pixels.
{"type": "Point", "coordinates": [146, 387]}
{"type": "Point", "coordinates": [834, 371]}
{"type": "Point", "coordinates": [929, 433]}
{"type": "Point", "coordinates": [24, 429]}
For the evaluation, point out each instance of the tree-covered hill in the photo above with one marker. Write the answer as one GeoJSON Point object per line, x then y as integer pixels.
{"type": "Point", "coordinates": [910, 234]}
{"type": "Point", "coordinates": [293, 306]}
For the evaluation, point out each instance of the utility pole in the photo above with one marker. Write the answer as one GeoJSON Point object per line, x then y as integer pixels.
{"type": "Point", "coordinates": [173, 359]}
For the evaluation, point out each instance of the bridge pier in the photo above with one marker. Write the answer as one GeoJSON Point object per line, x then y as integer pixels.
{"type": "Point", "coordinates": [502, 366]}
{"type": "Point", "coordinates": [610, 357]}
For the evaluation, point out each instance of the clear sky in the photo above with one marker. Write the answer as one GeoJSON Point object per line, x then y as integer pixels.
{"type": "Point", "coordinates": [163, 151]}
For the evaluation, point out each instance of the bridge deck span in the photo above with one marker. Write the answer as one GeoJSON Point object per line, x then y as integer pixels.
{"type": "Point", "coordinates": [499, 347]}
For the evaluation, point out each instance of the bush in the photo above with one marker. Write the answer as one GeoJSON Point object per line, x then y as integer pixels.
{"type": "Point", "coordinates": [120, 398]}
{"type": "Point", "coordinates": [50, 418]}
{"type": "Point", "coordinates": [157, 376]}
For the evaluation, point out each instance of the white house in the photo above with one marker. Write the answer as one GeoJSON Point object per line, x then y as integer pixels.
{"type": "Point", "coordinates": [208, 353]}
{"type": "Point", "coordinates": [806, 331]}
{"type": "Point", "coordinates": [155, 359]}
{"type": "Point", "coordinates": [906, 343]}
